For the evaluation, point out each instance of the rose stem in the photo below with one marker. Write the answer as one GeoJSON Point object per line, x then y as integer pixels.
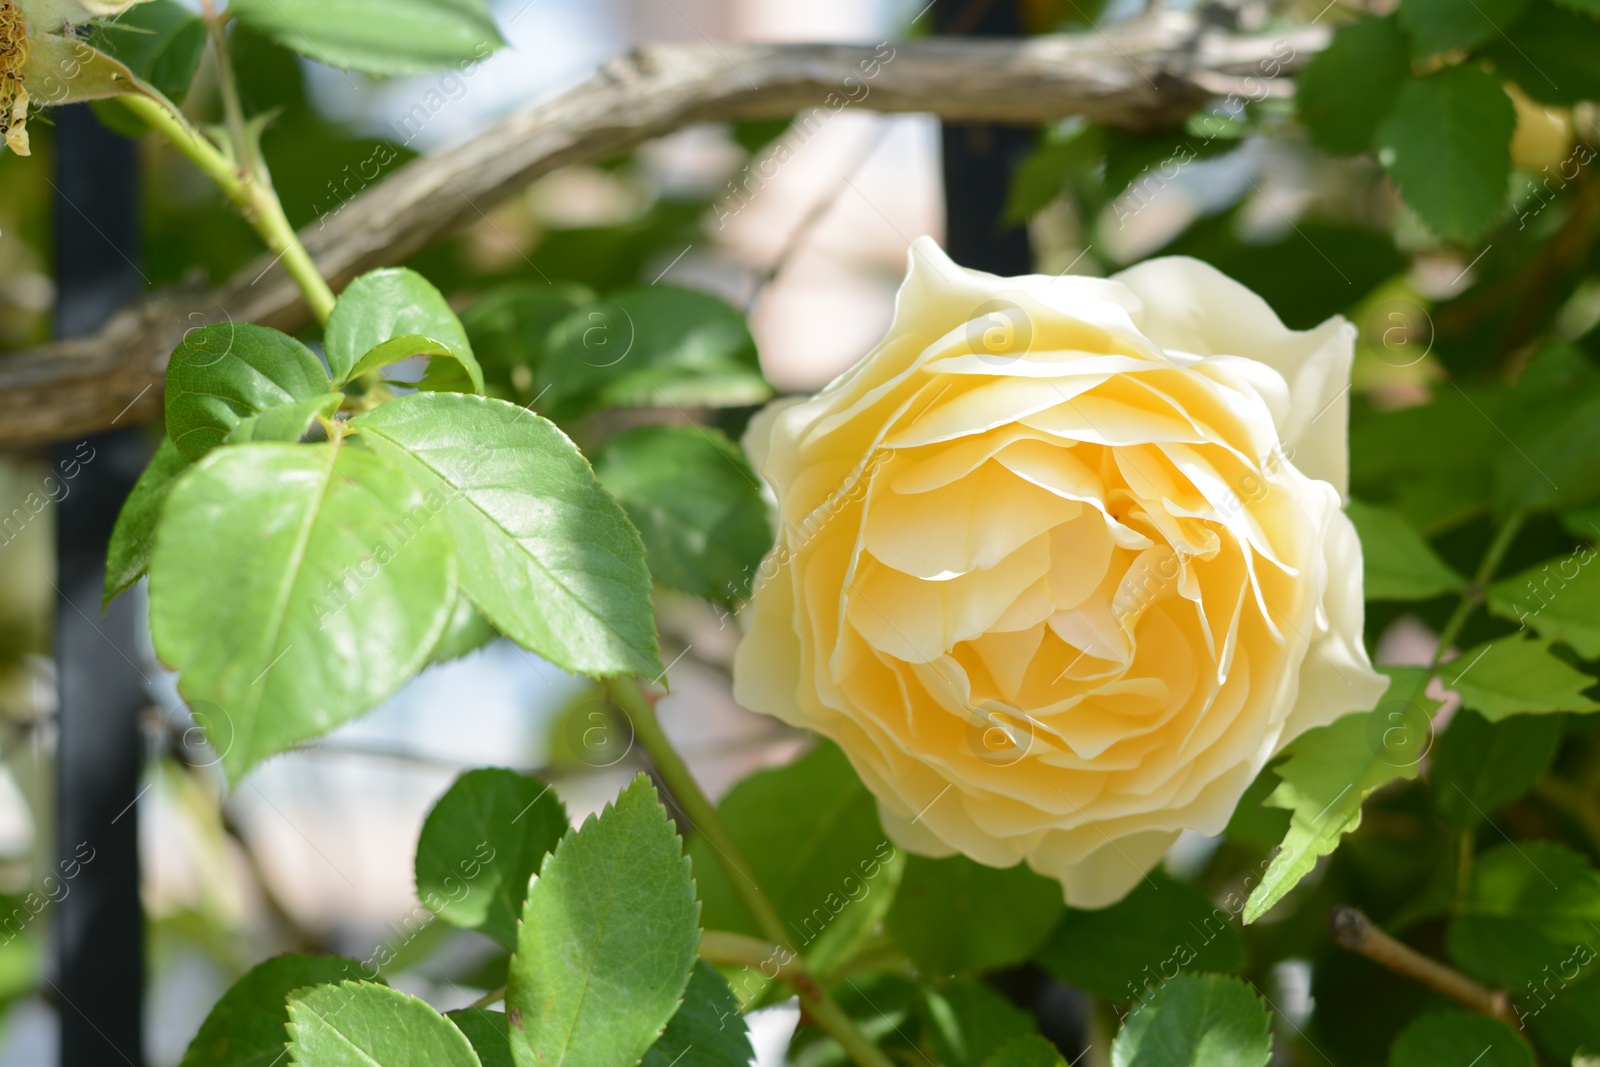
{"type": "Point", "coordinates": [704, 818]}
{"type": "Point", "coordinates": [1352, 929]}
{"type": "Point", "coordinates": [1472, 596]}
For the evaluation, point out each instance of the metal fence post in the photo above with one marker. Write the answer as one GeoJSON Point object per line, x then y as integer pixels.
{"type": "Point", "coordinates": [99, 925]}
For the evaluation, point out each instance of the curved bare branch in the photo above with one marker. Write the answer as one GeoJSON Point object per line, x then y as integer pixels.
{"type": "Point", "coordinates": [1143, 75]}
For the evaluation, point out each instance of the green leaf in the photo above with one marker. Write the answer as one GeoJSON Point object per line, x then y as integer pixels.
{"type": "Point", "coordinates": [1332, 769]}
{"type": "Point", "coordinates": [966, 1021]}
{"type": "Point", "coordinates": [1559, 600]}
{"type": "Point", "coordinates": [389, 315]}
{"type": "Point", "coordinates": [1348, 87]}
{"type": "Point", "coordinates": [1556, 461]}
{"type": "Point", "coordinates": [295, 587]}
{"type": "Point", "coordinates": [1514, 675]}
{"type": "Point", "coordinates": [1451, 1039]}
{"type": "Point", "coordinates": [1550, 54]}
{"type": "Point", "coordinates": [607, 940]}
{"type": "Point", "coordinates": [1529, 904]}
{"type": "Point", "coordinates": [1442, 25]}
{"type": "Point", "coordinates": [220, 375]}
{"type": "Point", "coordinates": [656, 346]}
{"type": "Point", "coordinates": [465, 633]}
{"type": "Point", "coordinates": [1447, 144]}
{"type": "Point", "coordinates": [810, 832]}
{"type": "Point", "coordinates": [1479, 765]}
{"type": "Point", "coordinates": [697, 504]}
{"type": "Point", "coordinates": [547, 556]}
{"type": "Point", "coordinates": [1252, 822]}
{"type": "Point", "coordinates": [360, 1024]}
{"type": "Point", "coordinates": [128, 555]}
{"type": "Point", "coordinates": [1433, 463]}
{"type": "Point", "coordinates": [479, 846]}
{"type": "Point", "coordinates": [1196, 1021]}
{"type": "Point", "coordinates": [161, 41]}
{"type": "Point", "coordinates": [954, 914]}
{"type": "Point", "coordinates": [488, 1032]}
{"type": "Point", "coordinates": [1397, 562]}
{"type": "Point", "coordinates": [246, 1027]}
{"type": "Point", "coordinates": [1030, 1051]}
{"type": "Point", "coordinates": [377, 36]}
{"type": "Point", "coordinates": [509, 328]}
{"type": "Point", "coordinates": [1565, 1014]}
{"type": "Point", "coordinates": [1163, 925]}
{"type": "Point", "coordinates": [286, 423]}
{"type": "Point", "coordinates": [707, 1031]}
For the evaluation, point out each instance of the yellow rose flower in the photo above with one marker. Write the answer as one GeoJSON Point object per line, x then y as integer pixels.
{"type": "Point", "coordinates": [42, 62]}
{"type": "Point", "coordinates": [1062, 562]}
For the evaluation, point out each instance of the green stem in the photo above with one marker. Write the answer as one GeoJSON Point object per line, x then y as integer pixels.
{"type": "Point", "coordinates": [1473, 596]}
{"type": "Point", "coordinates": [1465, 844]}
{"type": "Point", "coordinates": [256, 200]}
{"type": "Point", "coordinates": [697, 806]}
{"type": "Point", "coordinates": [821, 1007]}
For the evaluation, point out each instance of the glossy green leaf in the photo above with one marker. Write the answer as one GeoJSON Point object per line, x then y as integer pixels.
{"type": "Point", "coordinates": [1030, 1051]}
{"type": "Point", "coordinates": [1161, 927]}
{"type": "Point", "coordinates": [1450, 1039]}
{"type": "Point", "coordinates": [1441, 25]}
{"type": "Point", "coordinates": [1549, 52]}
{"type": "Point", "coordinates": [1516, 674]}
{"type": "Point", "coordinates": [1332, 769]}
{"type": "Point", "coordinates": [338, 576]}
{"type": "Point", "coordinates": [707, 1031]}
{"type": "Point", "coordinates": [377, 36]}
{"type": "Point", "coordinates": [286, 423]}
{"type": "Point", "coordinates": [547, 556]}
{"type": "Point", "coordinates": [1479, 765]}
{"type": "Point", "coordinates": [479, 846]}
{"type": "Point", "coordinates": [810, 831]}
{"type": "Point", "coordinates": [1530, 904]}
{"type": "Point", "coordinates": [360, 1024]}
{"type": "Point", "coordinates": [1558, 599]}
{"type": "Point", "coordinates": [1447, 144]}
{"type": "Point", "coordinates": [488, 1033]}
{"type": "Point", "coordinates": [220, 375]}
{"type": "Point", "coordinates": [697, 504]}
{"type": "Point", "coordinates": [1196, 1021]}
{"type": "Point", "coordinates": [967, 1021]}
{"type": "Point", "coordinates": [161, 41]}
{"type": "Point", "coordinates": [246, 1027]}
{"type": "Point", "coordinates": [607, 940]}
{"type": "Point", "coordinates": [509, 328]}
{"type": "Point", "coordinates": [954, 914]}
{"type": "Point", "coordinates": [133, 537]}
{"type": "Point", "coordinates": [1350, 86]}
{"type": "Point", "coordinates": [1398, 564]}
{"type": "Point", "coordinates": [656, 346]}
{"type": "Point", "coordinates": [389, 315]}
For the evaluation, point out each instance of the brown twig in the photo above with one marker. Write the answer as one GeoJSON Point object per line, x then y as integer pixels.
{"type": "Point", "coordinates": [1352, 930]}
{"type": "Point", "coordinates": [1146, 74]}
